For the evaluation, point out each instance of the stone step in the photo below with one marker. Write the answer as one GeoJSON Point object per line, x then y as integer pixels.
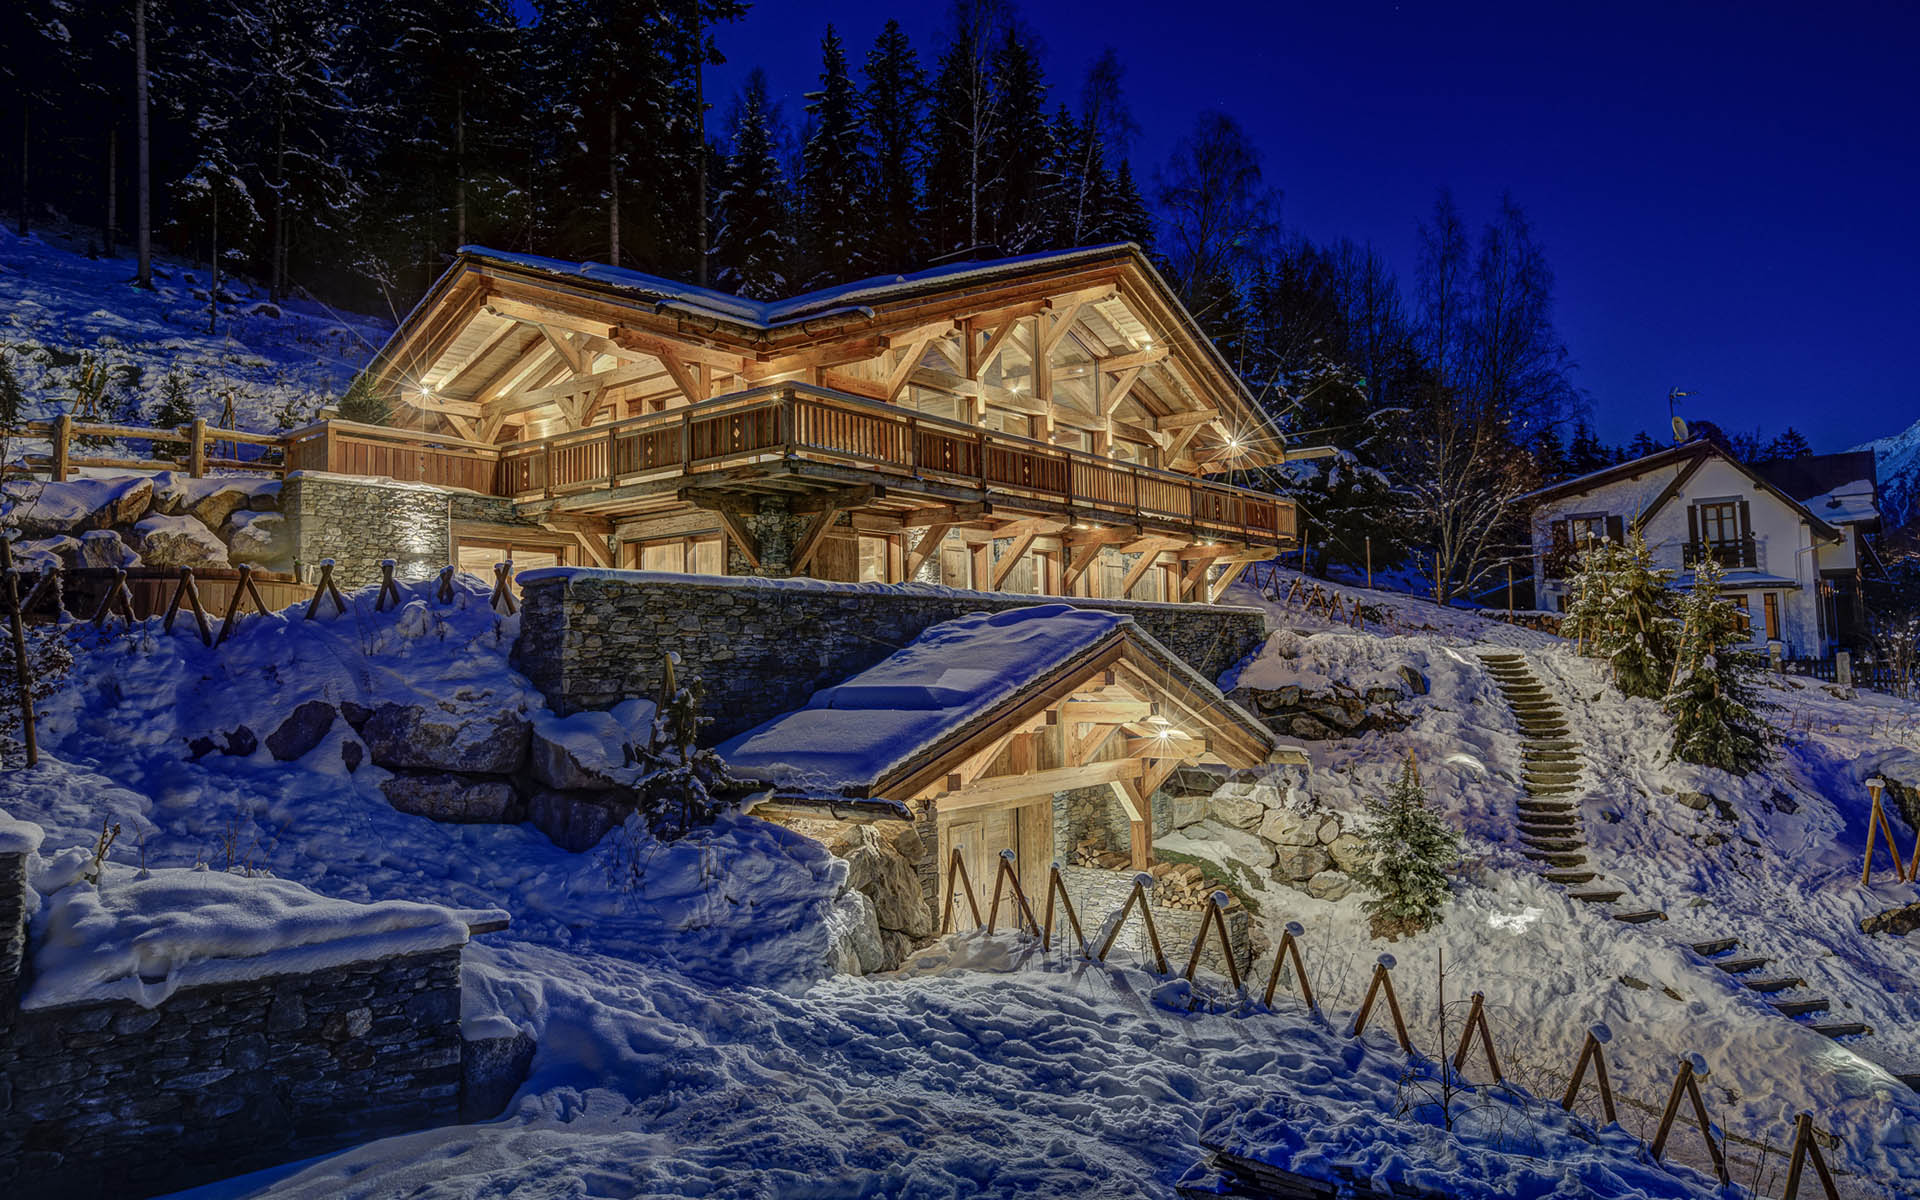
{"type": "Point", "coordinates": [1716, 946]}
{"type": "Point", "coordinates": [1553, 744]}
{"type": "Point", "coordinates": [1740, 966]}
{"type": "Point", "coordinates": [1640, 916]}
{"type": "Point", "coordinates": [1532, 809]}
{"type": "Point", "coordinates": [1801, 1008]}
{"type": "Point", "coordinates": [1552, 790]}
{"type": "Point", "coordinates": [1550, 778]}
{"type": "Point", "coordinates": [1531, 753]}
{"type": "Point", "coordinates": [1543, 729]}
{"type": "Point", "coordinates": [1547, 835]}
{"type": "Point", "coordinates": [1770, 986]}
{"type": "Point", "coordinates": [1524, 691]}
{"type": "Point", "coordinates": [1843, 1029]}
{"type": "Point", "coordinates": [1600, 896]}
{"type": "Point", "coordinates": [1558, 858]}
{"type": "Point", "coordinates": [1565, 877]}
{"type": "Point", "coordinates": [1551, 845]}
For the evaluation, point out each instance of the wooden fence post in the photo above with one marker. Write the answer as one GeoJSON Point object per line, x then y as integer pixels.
{"type": "Point", "coordinates": [197, 448]}
{"type": "Point", "coordinates": [1022, 911]}
{"type": "Point", "coordinates": [241, 588]}
{"type": "Point", "coordinates": [501, 570]}
{"type": "Point", "coordinates": [1214, 918]}
{"type": "Point", "coordinates": [1692, 1068]}
{"type": "Point", "coordinates": [1057, 886]}
{"type": "Point", "coordinates": [388, 588]}
{"type": "Point", "coordinates": [187, 590]}
{"type": "Point", "coordinates": [1477, 1019]}
{"type": "Point", "coordinates": [326, 588]}
{"type": "Point", "coordinates": [62, 446]}
{"type": "Point", "coordinates": [16, 621]}
{"type": "Point", "coordinates": [1138, 895]}
{"type": "Point", "coordinates": [1597, 1036]}
{"type": "Point", "coordinates": [117, 600]}
{"type": "Point", "coordinates": [445, 593]}
{"type": "Point", "coordinates": [1290, 944]}
{"type": "Point", "coordinates": [1804, 1148]}
{"type": "Point", "coordinates": [957, 872]}
{"type": "Point", "coordinates": [1878, 826]}
{"type": "Point", "coordinates": [1382, 981]}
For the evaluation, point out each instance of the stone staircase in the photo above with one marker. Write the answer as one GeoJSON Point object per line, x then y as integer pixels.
{"type": "Point", "coordinates": [1552, 832]}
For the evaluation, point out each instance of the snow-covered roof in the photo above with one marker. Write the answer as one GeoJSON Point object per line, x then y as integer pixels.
{"type": "Point", "coordinates": [855, 733]}
{"type": "Point", "coordinates": [1848, 504]}
{"type": "Point", "coordinates": [142, 935]}
{"type": "Point", "coordinates": [771, 314]}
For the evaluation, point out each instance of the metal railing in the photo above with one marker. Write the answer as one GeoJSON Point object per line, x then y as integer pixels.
{"type": "Point", "coordinates": [1730, 553]}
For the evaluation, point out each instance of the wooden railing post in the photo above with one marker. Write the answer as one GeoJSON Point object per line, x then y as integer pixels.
{"type": "Point", "coordinates": [1804, 1148]}
{"type": "Point", "coordinates": [1022, 911]}
{"type": "Point", "coordinates": [1057, 886]}
{"type": "Point", "coordinates": [957, 873]}
{"type": "Point", "coordinates": [1591, 1052]}
{"type": "Point", "coordinates": [1214, 918]}
{"type": "Point", "coordinates": [1878, 827]}
{"type": "Point", "coordinates": [197, 448]}
{"type": "Point", "coordinates": [62, 446]}
{"type": "Point", "coordinates": [1477, 1022]}
{"type": "Point", "coordinates": [1382, 981]}
{"type": "Point", "coordinates": [1289, 945]}
{"type": "Point", "coordinates": [1685, 1082]}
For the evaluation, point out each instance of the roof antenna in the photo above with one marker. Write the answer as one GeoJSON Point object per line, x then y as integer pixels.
{"type": "Point", "coordinates": [1674, 419]}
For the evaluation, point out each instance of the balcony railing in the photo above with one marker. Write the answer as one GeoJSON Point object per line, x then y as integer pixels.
{"type": "Point", "coordinates": [794, 422]}
{"type": "Point", "coordinates": [1731, 553]}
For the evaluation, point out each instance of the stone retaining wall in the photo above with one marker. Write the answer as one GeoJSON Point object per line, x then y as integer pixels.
{"type": "Point", "coordinates": [591, 638]}
{"type": "Point", "coordinates": [1098, 894]}
{"type": "Point", "coordinates": [357, 522]}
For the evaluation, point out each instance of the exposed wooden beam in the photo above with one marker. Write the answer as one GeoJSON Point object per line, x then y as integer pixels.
{"type": "Point", "coordinates": [947, 514]}
{"type": "Point", "coordinates": [839, 499]}
{"type": "Point", "coordinates": [1218, 587]}
{"type": "Point", "coordinates": [919, 334]}
{"type": "Point", "coordinates": [810, 542]}
{"type": "Point", "coordinates": [740, 535]}
{"type": "Point", "coordinates": [1140, 567]}
{"type": "Point", "coordinates": [1080, 556]}
{"type": "Point", "coordinates": [1182, 420]}
{"type": "Point", "coordinates": [928, 543]}
{"type": "Point", "coordinates": [535, 314]}
{"type": "Point", "coordinates": [683, 376]}
{"type": "Point", "coordinates": [1123, 383]}
{"type": "Point", "coordinates": [1001, 788]}
{"type": "Point", "coordinates": [1192, 577]}
{"type": "Point", "coordinates": [452, 376]}
{"type": "Point", "coordinates": [1114, 364]}
{"type": "Point", "coordinates": [646, 343]}
{"type": "Point", "coordinates": [847, 381]}
{"type": "Point", "coordinates": [980, 358]}
{"type": "Point", "coordinates": [1081, 747]}
{"type": "Point", "coordinates": [909, 362]}
{"type": "Point", "coordinates": [1011, 559]}
{"type": "Point", "coordinates": [534, 398]}
{"type": "Point", "coordinates": [1105, 711]}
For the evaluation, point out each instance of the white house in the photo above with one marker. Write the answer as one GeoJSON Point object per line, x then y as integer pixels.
{"type": "Point", "coordinates": [1786, 532]}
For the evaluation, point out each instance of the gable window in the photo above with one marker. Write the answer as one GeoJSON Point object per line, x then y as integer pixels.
{"type": "Point", "coordinates": [1720, 529]}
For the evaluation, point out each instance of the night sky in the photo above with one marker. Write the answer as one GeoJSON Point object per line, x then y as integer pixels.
{"type": "Point", "coordinates": [1729, 194]}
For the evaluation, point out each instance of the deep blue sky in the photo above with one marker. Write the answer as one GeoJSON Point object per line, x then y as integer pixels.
{"type": "Point", "coordinates": [1729, 193]}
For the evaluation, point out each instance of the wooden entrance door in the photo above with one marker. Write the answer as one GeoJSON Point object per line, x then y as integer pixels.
{"type": "Point", "coordinates": [981, 834]}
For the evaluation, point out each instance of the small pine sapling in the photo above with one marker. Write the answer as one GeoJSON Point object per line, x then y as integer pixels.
{"type": "Point", "coordinates": [689, 786]}
{"type": "Point", "coordinates": [1410, 854]}
{"type": "Point", "coordinates": [363, 404]}
{"type": "Point", "coordinates": [1639, 644]}
{"type": "Point", "coordinates": [1712, 699]}
{"type": "Point", "coordinates": [176, 407]}
{"type": "Point", "coordinates": [1586, 620]}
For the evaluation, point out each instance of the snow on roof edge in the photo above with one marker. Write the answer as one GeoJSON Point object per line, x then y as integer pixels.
{"type": "Point", "coordinates": [18, 836]}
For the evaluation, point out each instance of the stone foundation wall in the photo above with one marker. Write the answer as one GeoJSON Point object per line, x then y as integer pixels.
{"type": "Point", "coordinates": [1098, 894]}
{"type": "Point", "coordinates": [118, 1100]}
{"type": "Point", "coordinates": [357, 522]}
{"type": "Point", "coordinates": [13, 930]}
{"type": "Point", "coordinates": [589, 640]}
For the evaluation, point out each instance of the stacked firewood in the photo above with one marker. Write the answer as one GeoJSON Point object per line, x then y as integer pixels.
{"type": "Point", "coordinates": [1091, 853]}
{"type": "Point", "coordinates": [1181, 885]}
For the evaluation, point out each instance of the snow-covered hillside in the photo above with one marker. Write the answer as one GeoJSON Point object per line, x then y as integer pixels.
{"type": "Point", "coordinates": [63, 315]}
{"type": "Point", "coordinates": [1897, 462]}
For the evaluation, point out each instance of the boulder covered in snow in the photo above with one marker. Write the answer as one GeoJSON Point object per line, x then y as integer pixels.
{"type": "Point", "coordinates": [1243, 805]}
{"type": "Point", "coordinates": [259, 539]}
{"type": "Point", "coordinates": [103, 548]}
{"type": "Point", "coordinates": [457, 798]}
{"type": "Point", "coordinates": [303, 729]}
{"type": "Point", "coordinates": [178, 542]}
{"type": "Point", "coordinates": [591, 750]}
{"type": "Point", "coordinates": [878, 868]}
{"type": "Point", "coordinates": [576, 820]}
{"type": "Point", "coordinates": [1286, 826]}
{"type": "Point", "coordinates": [854, 946]}
{"type": "Point", "coordinates": [47, 554]}
{"type": "Point", "coordinates": [77, 505]}
{"type": "Point", "coordinates": [416, 737]}
{"type": "Point", "coordinates": [216, 504]}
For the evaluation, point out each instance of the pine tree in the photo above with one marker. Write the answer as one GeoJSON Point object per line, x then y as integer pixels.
{"type": "Point", "coordinates": [1636, 638]}
{"type": "Point", "coordinates": [1410, 851]}
{"type": "Point", "coordinates": [893, 119]}
{"type": "Point", "coordinates": [176, 406]}
{"type": "Point", "coordinates": [1712, 700]}
{"type": "Point", "coordinates": [1549, 456]}
{"type": "Point", "coordinates": [964, 120]}
{"type": "Point", "coordinates": [363, 404]}
{"type": "Point", "coordinates": [1023, 147]}
{"type": "Point", "coordinates": [1642, 445]}
{"type": "Point", "coordinates": [13, 399]}
{"type": "Point", "coordinates": [1790, 444]}
{"type": "Point", "coordinates": [1588, 619]}
{"type": "Point", "coordinates": [1125, 218]}
{"type": "Point", "coordinates": [835, 176]}
{"type": "Point", "coordinates": [1585, 454]}
{"type": "Point", "coordinates": [752, 244]}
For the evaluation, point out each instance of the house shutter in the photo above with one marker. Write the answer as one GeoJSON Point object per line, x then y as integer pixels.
{"type": "Point", "coordinates": [1748, 558]}
{"type": "Point", "coordinates": [1615, 533]}
{"type": "Point", "coordinates": [1693, 525]}
{"type": "Point", "coordinates": [1746, 521]}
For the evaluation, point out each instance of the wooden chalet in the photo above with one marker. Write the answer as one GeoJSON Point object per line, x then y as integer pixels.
{"type": "Point", "coordinates": [1046, 424]}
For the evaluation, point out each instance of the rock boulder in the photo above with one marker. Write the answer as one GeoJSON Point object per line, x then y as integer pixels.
{"type": "Point", "coordinates": [853, 935]}
{"type": "Point", "coordinates": [1284, 826]}
{"type": "Point", "coordinates": [178, 542]}
{"type": "Point", "coordinates": [415, 737]}
{"type": "Point", "coordinates": [1330, 885]}
{"type": "Point", "coordinates": [448, 797]}
{"type": "Point", "coordinates": [259, 539]}
{"type": "Point", "coordinates": [888, 879]}
{"type": "Point", "coordinates": [103, 548]}
{"type": "Point", "coordinates": [577, 821]}
{"type": "Point", "coordinates": [303, 729]}
{"type": "Point", "coordinates": [1297, 864]}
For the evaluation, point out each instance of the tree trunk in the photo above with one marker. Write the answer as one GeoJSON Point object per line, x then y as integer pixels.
{"type": "Point", "coordinates": [144, 237]}
{"type": "Point", "coordinates": [459, 167]}
{"type": "Point", "coordinates": [613, 184]}
{"type": "Point", "coordinates": [111, 230]}
{"type": "Point", "coordinates": [213, 292]}
{"type": "Point", "coordinates": [279, 207]}
{"type": "Point", "coordinates": [26, 142]}
{"type": "Point", "coordinates": [700, 141]}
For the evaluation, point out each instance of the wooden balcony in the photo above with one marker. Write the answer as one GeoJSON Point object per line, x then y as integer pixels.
{"type": "Point", "coordinates": [783, 427]}
{"type": "Point", "coordinates": [409, 456]}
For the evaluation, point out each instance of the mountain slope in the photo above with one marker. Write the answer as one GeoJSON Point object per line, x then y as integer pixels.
{"type": "Point", "coordinates": [1897, 460]}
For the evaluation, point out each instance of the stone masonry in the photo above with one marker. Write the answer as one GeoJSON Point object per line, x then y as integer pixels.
{"type": "Point", "coordinates": [357, 522]}
{"type": "Point", "coordinates": [591, 639]}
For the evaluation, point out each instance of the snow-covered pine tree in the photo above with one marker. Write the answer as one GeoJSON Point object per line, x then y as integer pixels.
{"type": "Point", "coordinates": [176, 406]}
{"type": "Point", "coordinates": [963, 123]}
{"type": "Point", "coordinates": [1639, 625]}
{"type": "Point", "coordinates": [835, 177]}
{"type": "Point", "coordinates": [1125, 218]}
{"type": "Point", "coordinates": [1410, 853]}
{"type": "Point", "coordinates": [1712, 700]}
{"type": "Point", "coordinates": [893, 121]}
{"type": "Point", "coordinates": [752, 244]}
{"type": "Point", "coordinates": [1022, 147]}
{"type": "Point", "coordinates": [363, 404]}
{"type": "Point", "coordinates": [1587, 620]}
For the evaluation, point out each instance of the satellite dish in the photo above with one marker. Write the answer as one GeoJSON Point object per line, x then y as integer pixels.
{"type": "Point", "coordinates": [1679, 429]}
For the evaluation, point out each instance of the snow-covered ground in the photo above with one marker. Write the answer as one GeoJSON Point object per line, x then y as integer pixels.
{"type": "Point", "coordinates": [278, 364]}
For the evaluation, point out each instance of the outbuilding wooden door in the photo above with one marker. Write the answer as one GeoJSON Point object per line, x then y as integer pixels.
{"type": "Point", "coordinates": [982, 833]}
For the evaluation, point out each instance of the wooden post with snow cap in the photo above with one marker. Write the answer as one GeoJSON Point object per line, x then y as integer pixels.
{"type": "Point", "coordinates": [118, 599]}
{"type": "Point", "coordinates": [956, 870]}
{"type": "Point", "coordinates": [1057, 886]}
{"type": "Point", "coordinates": [445, 593]}
{"type": "Point", "coordinates": [1290, 944]}
{"type": "Point", "coordinates": [242, 587]}
{"type": "Point", "coordinates": [1382, 981]}
{"type": "Point", "coordinates": [388, 588]}
{"type": "Point", "coordinates": [502, 594]}
{"type": "Point", "coordinates": [1693, 1068]}
{"type": "Point", "coordinates": [1804, 1148]}
{"type": "Point", "coordinates": [1597, 1036]}
{"type": "Point", "coordinates": [1477, 1020]}
{"type": "Point", "coordinates": [1877, 827]}
{"type": "Point", "coordinates": [1138, 895]}
{"type": "Point", "coordinates": [327, 589]}
{"type": "Point", "coordinates": [1214, 918]}
{"type": "Point", "coordinates": [1021, 911]}
{"type": "Point", "coordinates": [197, 448]}
{"type": "Point", "coordinates": [187, 590]}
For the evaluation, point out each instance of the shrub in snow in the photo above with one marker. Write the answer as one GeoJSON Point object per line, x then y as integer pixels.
{"type": "Point", "coordinates": [1622, 611]}
{"type": "Point", "coordinates": [1712, 700]}
{"type": "Point", "coordinates": [690, 786]}
{"type": "Point", "coordinates": [176, 407]}
{"type": "Point", "coordinates": [363, 404]}
{"type": "Point", "coordinates": [1410, 852]}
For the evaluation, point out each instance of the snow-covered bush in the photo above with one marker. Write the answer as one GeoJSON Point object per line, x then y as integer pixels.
{"type": "Point", "coordinates": [1712, 700]}
{"type": "Point", "coordinates": [1410, 853]}
{"type": "Point", "coordinates": [1622, 611]}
